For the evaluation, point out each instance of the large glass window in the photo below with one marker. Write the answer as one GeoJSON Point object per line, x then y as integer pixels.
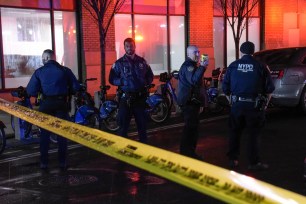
{"type": "Point", "coordinates": [25, 33]}
{"type": "Point", "coordinates": [65, 39]}
{"type": "Point", "coordinates": [123, 28]}
{"type": "Point", "coordinates": [151, 41]}
{"type": "Point", "coordinates": [151, 32]}
{"type": "Point", "coordinates": [253, 34]}
{"type": "Point", "coordinates": [177, 45]}
{"type": "Point", "coordinates": [219, 41]}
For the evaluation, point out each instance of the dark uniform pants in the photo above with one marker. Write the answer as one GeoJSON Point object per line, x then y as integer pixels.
{"type": "Point", "coordinates": [244, 116]}
{"type": "Point", "coordinates": [57, 108]}
{"type": "Point", "coordinates": [190, 132]}
{"type": "Point", "coordinates": [125, 113]}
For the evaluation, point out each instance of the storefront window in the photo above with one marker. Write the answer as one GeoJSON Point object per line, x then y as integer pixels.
{"type": "Point", "coordinates": [123, 28]}
{"type": "Point", "coordinates": [253, 31]}
{"type": "Point", "coordinates": [219, 41]}
{"type": "Point", "coordinates": [151, 31]}
{"type": "Point", "coordinates": [220, 34]}
{"type": "Point", "coordinates": [25, 34]}
{"type": "Point", "coordinates": [177, 43]}
{"type": "Point", "coordinates": [151, 39]}
{"type": "Point", "coordinates": [26, 3]}
{"type": "Point", "coordinates": [65, 39]}
{"type": "Point", "coordinates": [219, 10]}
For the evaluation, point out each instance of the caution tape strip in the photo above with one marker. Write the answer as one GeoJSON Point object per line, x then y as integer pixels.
{"type": "Point", "coordinates": [222, 184]}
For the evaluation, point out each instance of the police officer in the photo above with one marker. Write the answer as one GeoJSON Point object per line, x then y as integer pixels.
{"type": "Point", "coordinates": [131, 74]}
{"type": "Point", "coordinates": [189, 99]}
{"type": "Point", "coordinates": [55, 83]}
{"type": "Point", "coordinates": [249, 85]}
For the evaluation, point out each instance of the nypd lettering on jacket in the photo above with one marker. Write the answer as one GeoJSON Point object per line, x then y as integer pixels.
{"type": "Point", "coordinates": [245, 67]}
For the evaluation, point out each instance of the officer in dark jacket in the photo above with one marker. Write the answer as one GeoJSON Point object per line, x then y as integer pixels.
{"type": "Point", "coordinates": [131, 74]}
{"type": "Point", "coordinates": [249, 85]}
{"type": "Point", "coordinates": [189, 99]}
{"type": "Point", "coordinates": [55, 83]}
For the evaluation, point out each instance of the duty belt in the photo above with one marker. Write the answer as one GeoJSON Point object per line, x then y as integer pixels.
{"type": "Point", "coordinates": [134, 94]}
{"type": "Point", "coordinates": [55, 97]}
{"type": "Point", "coordinates": [242, 99]}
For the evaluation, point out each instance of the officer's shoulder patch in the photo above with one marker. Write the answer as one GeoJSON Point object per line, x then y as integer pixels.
{"type": "Point", "coordinates": [141, 65]}
{"type": "Point", "coordinates": [190, 68]}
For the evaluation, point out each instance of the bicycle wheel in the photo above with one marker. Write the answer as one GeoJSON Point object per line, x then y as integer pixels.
{"type": "Point", "coordinates": [110, 122]}
{"type": "Point", "coordinates": [24, 126]}
{"type": "Point", "coordinates": [2, 140]}
{"type": "Point", "coordinates": [215, 107]}
{"type": "Point", "coordinates": [91, 120]}
{"type": "Point", "coordinates": [161, 112]}
{"type": "Point", "coordinates": [170, 99]}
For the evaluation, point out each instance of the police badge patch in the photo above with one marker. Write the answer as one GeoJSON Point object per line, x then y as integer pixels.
{"type": "Point", "coordinates": [190, 69]}
{"type": "Point", "coordinates": [140, 65]}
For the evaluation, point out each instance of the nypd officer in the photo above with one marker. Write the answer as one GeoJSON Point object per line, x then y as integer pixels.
{"type": "Point", "coordinates": [190, 100]}
{"type": "Point", "coordinates": [55, 83]}
{"type": "Point", "coordinates": [249, 85]}
{"type": "Point", "coordinates": [131, 74]}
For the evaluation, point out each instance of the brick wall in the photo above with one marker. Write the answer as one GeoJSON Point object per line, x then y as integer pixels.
{"type": "Point", "coordinates": [201, 23]}
{"type": "Point", "coordinates": [285, 23]}
{"type": "Point", "coordinates": [201, 28]}
{"type": "Point", "coordinates": [91, 45]}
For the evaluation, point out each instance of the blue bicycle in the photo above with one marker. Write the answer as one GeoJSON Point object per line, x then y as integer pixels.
{"type": "Point", "coordinates": [168, 91]}
{"type": "Point", "coordinates": [108, 110]}
{"type": "Point", "coordinates": [87, 114]}
{"type": "Point", "coordinates": [158, 107]}
{"type": "Point", "coordinates": [25, 128]}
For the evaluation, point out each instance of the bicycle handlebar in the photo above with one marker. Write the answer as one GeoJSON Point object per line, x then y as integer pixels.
{"type": "Point", "coordinates": [20, 92]}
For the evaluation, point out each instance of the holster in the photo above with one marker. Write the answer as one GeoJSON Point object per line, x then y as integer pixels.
{"type": "Point", "coordinates": [260, 102]}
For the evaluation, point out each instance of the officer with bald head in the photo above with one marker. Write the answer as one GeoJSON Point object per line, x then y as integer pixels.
{"type": "Point", "coordinates": [189, 99]}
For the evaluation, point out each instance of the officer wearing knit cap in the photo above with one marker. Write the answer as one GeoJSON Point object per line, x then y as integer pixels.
{"type": "Point", "coordinates": [247, 48]}
{"type": "Point", "coordinates": [249, 84]}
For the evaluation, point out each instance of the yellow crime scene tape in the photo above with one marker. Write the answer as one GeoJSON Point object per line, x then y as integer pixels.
{"type": "Point", "coordinates": [222, 184]}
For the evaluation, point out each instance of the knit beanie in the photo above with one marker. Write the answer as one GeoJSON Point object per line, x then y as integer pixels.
{"type": "Point", "coordinates": [247, 48]}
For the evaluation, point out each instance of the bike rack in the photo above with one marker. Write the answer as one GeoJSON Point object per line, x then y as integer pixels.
{"type": "Point", "coordinates": [20, 132]}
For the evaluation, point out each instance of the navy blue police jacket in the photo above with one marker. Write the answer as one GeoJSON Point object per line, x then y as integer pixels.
{"type": "Point", "coordinates": [52, 79]}
{"type": "Point", "coordinates": [247, 77]}
{"type": "Point", "coordinates": [131, 75]}
{"type": "Point", "coordinates": [190, 78]}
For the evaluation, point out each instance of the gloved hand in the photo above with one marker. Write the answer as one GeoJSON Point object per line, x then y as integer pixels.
{"type": "Point", "coordinates": [205, 62]}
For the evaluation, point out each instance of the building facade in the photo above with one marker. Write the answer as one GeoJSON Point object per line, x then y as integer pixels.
{"type": "Point", "coordinates": [162, 30]}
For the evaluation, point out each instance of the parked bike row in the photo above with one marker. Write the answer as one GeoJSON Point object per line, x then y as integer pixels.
{"type": "Point", "coordinates": [84, 111]}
